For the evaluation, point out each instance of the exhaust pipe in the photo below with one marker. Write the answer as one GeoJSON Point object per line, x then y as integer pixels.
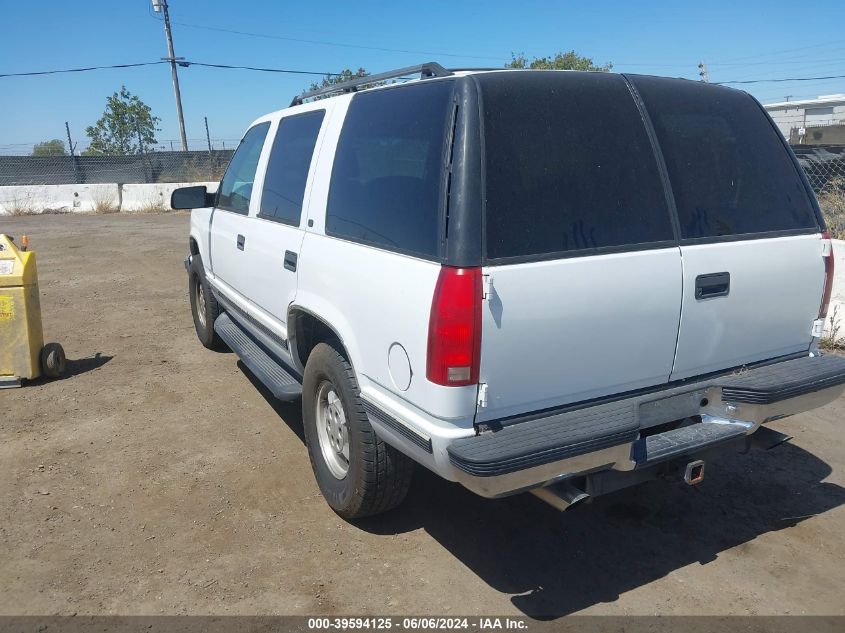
{"type": "Point", "coordinates": [561, 496]}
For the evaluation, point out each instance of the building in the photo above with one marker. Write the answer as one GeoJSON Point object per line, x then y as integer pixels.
{"type": "Point", "coordinates": [819, 121]}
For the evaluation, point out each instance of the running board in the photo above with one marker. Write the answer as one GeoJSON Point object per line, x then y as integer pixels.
{"type": "Point", "coordinates": [267, 369]}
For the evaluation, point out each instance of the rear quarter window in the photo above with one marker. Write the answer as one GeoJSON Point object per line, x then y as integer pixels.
{"type": "Point", "coordinates": [387, 185]}
{"type": "Point", "coordinates": [569, 167]}
{"type": "Point", "coordinates": [729, 170]}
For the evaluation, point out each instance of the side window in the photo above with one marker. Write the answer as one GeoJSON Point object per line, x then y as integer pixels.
{"type": "Point", "coordinates": [236, 186]}
{"type": "Point", "coordinates": [386, 186]}
{"type": "Point", "coordinates": [730, 172]}
{"type": "Point", "coordinates": [287, 170]}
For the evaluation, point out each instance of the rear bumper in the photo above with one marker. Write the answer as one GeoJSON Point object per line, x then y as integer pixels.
{"type": "Point", "coordinates": [618, 435]}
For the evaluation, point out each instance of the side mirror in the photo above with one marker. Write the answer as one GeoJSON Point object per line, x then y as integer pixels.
{"type": "Point", "coordinates": [191, 198]}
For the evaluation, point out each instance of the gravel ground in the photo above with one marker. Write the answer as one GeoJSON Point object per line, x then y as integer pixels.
{"type": "Point", "coordinates": [159, 477]}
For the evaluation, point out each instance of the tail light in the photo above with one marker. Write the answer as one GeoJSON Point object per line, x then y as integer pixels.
{"type": "Point", "coordinates": [454, 329]}
{"type": "Point", "coordinates": [827, 255]}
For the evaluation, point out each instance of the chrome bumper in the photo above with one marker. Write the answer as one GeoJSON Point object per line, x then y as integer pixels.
{"type": "Point", "coordinates": [725, 408]}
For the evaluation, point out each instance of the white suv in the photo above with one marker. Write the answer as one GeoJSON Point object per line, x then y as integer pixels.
{"type": "Point", "coordinates": [561, 282]}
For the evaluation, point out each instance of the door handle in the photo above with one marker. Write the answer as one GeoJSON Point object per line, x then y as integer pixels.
{"type": "Point", "coordinates": [241, 242]}
{"type": "Point", "coordinates": [712, 285]}
{"type": "Point", "coordinates": [290, 261]}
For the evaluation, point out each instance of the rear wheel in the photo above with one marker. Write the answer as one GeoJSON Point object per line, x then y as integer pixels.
{"type": "Point", "coordinates": [357, 473]}
{"type": "Point", "coordinates": [204, 307]}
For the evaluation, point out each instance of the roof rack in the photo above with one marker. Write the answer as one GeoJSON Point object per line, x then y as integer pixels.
{"type": "Point", "coordinates": [429, 69]}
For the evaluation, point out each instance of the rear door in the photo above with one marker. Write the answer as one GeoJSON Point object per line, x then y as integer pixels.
{"type": "Point", "coordinates": [750, 239]}
{"type": "Point", "coordinates": [585, 298]}
{"type": "Point", "coordinates": [276, 234]}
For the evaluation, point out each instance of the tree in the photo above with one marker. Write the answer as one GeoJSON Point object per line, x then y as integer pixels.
{"type": "Point", "coordinates": [116, 132]}
{"type": "Point", "coordinates": [561, 61]}
{"type": "Point", "coordinates": [49, 148]}
{"type": "Point", "coordinates": [344, 75]}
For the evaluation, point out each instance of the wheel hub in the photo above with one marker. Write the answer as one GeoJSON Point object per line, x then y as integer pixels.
{"type": "Point", "coordinates": [200, 303]}
{"type": "Point", "coordinates": [332, 430]}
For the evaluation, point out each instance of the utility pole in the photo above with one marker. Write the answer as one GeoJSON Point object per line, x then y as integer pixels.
{"type": "Point", "coordinates": [140, 138]}
{"type": "Point", "coordinates": [161, 5]}
{"type": "Point", "coordinates": [72, 149]}
{"type": "Point", "coordinates": [702, 71]}
{"type": "Point", "coordinates": [207, 135]}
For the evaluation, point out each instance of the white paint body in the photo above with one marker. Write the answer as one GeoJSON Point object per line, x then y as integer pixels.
{"type": "Point", "coordinates": [553, 332]}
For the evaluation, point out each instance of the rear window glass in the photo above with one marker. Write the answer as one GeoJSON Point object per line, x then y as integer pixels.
{"type": "Point", "coordinates": [730, 172]}
{"type": "Point", "coordinates": [568, 165]}
{"type": "Point", "coordinates": [386, 180]}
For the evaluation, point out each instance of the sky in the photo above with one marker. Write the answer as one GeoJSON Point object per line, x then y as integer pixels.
{"type": "Point", "coordinates": [737, 39]}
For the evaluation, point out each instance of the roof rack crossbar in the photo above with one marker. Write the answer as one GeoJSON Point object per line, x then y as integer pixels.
{"type": "Point", "coordinates": [429, 69]}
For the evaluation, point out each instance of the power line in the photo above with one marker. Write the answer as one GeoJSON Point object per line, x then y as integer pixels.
{"type": "Point", "coordinates": [781, 80]}
{"type": "Point", "coordinates": [80, 70]}
{"type": "Point", "coordinates": [779, 52]}
{"type": "Point", "coordinates": [327, 43]}
{"type": "Point", "coordinates": [180, 62]}
{"type": "Point", "coordinates": [324, 74]}
{"type": "Point", "coordinates": [263, 70]}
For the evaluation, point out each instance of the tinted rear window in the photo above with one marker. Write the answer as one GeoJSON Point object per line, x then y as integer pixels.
{"type": "Point", "coordinates": [730, 172]}
{"type": "Point", "coordinates": [568, 164]}
{"type": "Point", "coordinates": [287, 170]}
{"type": "Point", "coordinates": [386, 180]}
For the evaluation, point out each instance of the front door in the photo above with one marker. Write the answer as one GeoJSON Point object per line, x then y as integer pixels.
{"type": "Point", "coordinates": [229, 238]}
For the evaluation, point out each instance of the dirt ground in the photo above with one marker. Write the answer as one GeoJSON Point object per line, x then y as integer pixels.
{"type": "Point", "coordinates": [159, 477]}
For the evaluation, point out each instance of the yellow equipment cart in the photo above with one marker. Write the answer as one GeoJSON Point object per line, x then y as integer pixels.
{"type": "Point", "coordinates": [23, 354]}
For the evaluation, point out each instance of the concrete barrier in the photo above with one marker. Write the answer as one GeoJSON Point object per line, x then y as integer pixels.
{"type": "Point", "coordinates": [102, 198]}
{"type": "Point", "coordinates": [26, 199]}
{"type": "Point", "coordinates": [155, 197]}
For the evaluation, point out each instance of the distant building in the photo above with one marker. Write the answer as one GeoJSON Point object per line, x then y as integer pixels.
{"type": "Point", "coordinates": [819, 121]}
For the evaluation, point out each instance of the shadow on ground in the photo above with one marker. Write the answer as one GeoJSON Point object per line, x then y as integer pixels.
{"type": "Point", "coordinates": [82, 365]}
{"type": "Point", "coordinates": [553, 564]}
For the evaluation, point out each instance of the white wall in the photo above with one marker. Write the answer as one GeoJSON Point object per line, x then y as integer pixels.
{"type": "Point", "coordinates": [86, 198]}
{"type": "Point", "coordinates": [804, 114]}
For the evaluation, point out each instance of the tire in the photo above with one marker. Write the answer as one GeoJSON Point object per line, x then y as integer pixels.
{"type": "Point", "coordinates": [377, 476]}
{"type": "Point", "coordinates": [53, 361]}
{"type": "Point", "coordinates": [204, 306]}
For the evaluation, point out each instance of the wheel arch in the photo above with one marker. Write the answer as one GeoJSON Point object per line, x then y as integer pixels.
{"type": "Point", "coordinates": [306, 329]}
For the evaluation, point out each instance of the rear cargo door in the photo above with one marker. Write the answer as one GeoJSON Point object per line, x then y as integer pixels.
{"type": "Point", "coordinates": [584, 273]}
{"type": "Point", "coordinates": [750, 240]}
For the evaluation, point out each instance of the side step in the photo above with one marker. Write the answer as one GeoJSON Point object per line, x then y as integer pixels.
{"type": "Point", "coordinates": [268, 370]}
{"type": "Point", "coordinates": [683, 441]}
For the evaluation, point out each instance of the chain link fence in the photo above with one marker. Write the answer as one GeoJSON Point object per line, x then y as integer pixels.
{"type": "Point", "coordinates": [825, 169]}
{"type": "Point", "coordinates": [823, 164]}
{"type": "Point", "coordinates": [151, 167]}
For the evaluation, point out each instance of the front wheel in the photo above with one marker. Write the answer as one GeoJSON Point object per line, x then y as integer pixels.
{"type": "Point", "coordinates": [204, 307]}
{"type": "Point", "coordinates": [357, 473]}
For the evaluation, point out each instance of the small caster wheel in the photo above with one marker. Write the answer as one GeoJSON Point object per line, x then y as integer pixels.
{"type": "Point", "coordinates": [52, 360]}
